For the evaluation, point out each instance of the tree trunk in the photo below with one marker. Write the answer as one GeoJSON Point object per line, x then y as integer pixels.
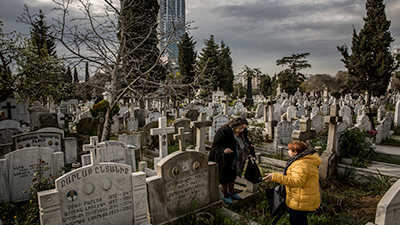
{"type": "Point", "coordinates": [107, 126]}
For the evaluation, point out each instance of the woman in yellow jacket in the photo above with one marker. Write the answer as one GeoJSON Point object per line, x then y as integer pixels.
{"type": "Point", "coordinates": [301, 180]}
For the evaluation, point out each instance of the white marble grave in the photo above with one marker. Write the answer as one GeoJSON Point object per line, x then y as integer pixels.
{"type": "Point", "coordinates": [98, 194]}
{"type": "Point", "coordinates": [18, 168]}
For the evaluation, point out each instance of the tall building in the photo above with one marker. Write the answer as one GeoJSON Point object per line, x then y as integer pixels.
{"type": "Point", "coordinates": [171, 18]}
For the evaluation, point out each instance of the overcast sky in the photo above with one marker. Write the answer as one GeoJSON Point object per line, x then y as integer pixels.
{"type": "Point", "coordinates": [259, 32]}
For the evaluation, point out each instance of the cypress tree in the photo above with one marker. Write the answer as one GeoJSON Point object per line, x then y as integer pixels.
{"type": "Point", "coordinates": [226, 77]}
{"type": "Point", "coordinates": [86, 72]}
{"type": "Point", "coordinates": [187, 58]}
{"type": "Point", "coordinates": [76, 79]}
{"type": "Point", "coordinates": [370, 64]}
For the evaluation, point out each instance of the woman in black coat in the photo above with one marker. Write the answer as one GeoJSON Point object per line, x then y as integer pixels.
{"type": "Point", "coordinates": [230, 150]}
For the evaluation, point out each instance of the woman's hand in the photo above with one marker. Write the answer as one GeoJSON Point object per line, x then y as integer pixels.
{"type": "Point", "coordinates": [268, 177]}
{"type": "Point", "coordinates": [228, 151]}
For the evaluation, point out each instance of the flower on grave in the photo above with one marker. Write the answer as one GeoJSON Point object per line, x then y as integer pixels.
{"type": "Point", "coordinates": [372, 133]}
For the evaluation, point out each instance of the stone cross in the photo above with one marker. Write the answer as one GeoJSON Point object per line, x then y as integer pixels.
{"type": "Point", "coordinates": [9, 107]}
{"type": "Point", "coordinates": [162, 131]}
{"type": "Point", "coordinates": [201, 124]}
{"type": "Point", "coordinates": [306, 132]}
{"type": "Point", "coordinates": [329, 156]}
{"type": "Point", "coordinates": [181, 137]}
{"type": "Point", "coordinates": [94, 147]}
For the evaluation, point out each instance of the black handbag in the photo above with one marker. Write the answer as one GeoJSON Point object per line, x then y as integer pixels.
{"type": "Point", "coordinates": [252, 173]}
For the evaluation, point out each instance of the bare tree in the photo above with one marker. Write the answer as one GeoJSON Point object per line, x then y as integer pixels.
{"type": "Point", "coordinates": [97, 36]}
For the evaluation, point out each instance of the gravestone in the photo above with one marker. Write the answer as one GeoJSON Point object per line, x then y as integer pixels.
{"type": "Point", "coordinates": [306, 132]}
{"type": "Point", "coordinates": [113, 151]}
{"type": "Point", "coordinates": [48, 120]}
{"type": "Point", "coordinates": [38, 139]}
{"type": "Point", "coordinates": [345, 113]}
{"type": "Point", "coordinates": [363, 122]}
{"type": "Point", "coordinates": [181, 137]}
{"type": "Point", "coordinates": [397, 114]}
{"type": "Point", "coordinates": [200, 126]}
{"type": "Point", "coordinates": [217, 122]}
{"type": "Point", "coordinates": [271, 122]}
{"type": "Point", "coordinates": [185, 123]}
{"type": "Point", "coordinates": [98, 194]}
{"type": "Point", "coordinates": [8, 128]}
{"type": "Point", "coordinates": [330, 155]}
{"type": "Point", "coordinates": [34, 115]}
{"type": "Point", "coordinates": [19, 167]}
{"type": "Point", "coordinates": [387, 210]}
{"type": "Point", "coordinates": [283, 133]}
{"type": "Point", "coordinates": [70, 150]}
{"type": "Point", "coordinates": [131, 140]}
{"type": "Point", "coordinates": [15, 109]}
{"type": "Point", "coordinates": [185, 181]}
{"type": "Point", "coordinates": [384, 128]}
{"type": "Point", "coordinates": [162, 131]}
{"type": "Point", "coordinates": [192, 114]}
{"type": "Point", "coordinates": [153, 117]}
{"type": "Point", "coordinates": [317, 122]}
{"type": "Point", "coordinates": [291, 112]}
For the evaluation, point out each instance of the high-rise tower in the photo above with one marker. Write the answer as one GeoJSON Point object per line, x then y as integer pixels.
{"type": "Point", "coordinates": [171, 19]}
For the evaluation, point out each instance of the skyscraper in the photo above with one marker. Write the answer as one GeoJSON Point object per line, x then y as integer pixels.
{"type": "Point", "coordinates": [171, 19]}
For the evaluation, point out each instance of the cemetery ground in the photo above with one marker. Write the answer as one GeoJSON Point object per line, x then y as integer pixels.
{"type": "Point", "coordinates": [345, 200]}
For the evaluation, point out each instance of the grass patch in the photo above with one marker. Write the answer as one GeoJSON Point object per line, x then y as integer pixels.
{"type": "Point", "coordinates": [391, 142]}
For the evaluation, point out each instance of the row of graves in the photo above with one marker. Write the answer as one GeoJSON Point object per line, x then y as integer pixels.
{"type": "Point", "coordinates": [108, 188]}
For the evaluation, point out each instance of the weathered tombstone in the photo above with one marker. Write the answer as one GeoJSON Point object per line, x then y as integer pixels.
{"type": "Point", "coordinates": [217, 122]}
{"type": "Point", "coordinates": [9, 128]}
{"type": "Point", "coordinates": [131, 140]}
{"type": "Point", "coordinates": [363, 122]}
{"type": "Point", "coordinates": [239, 108]}
{"type": "Point", "coordinates": [314, 111]}
{"type": "Point", "coordinates": [345, 113]}
{"type": "Point", "coordinates": [226, 105]}
{"type": "Point", "coordinates": [260, 110]}
{"type": "Point", "coordinates": [317, 122]}
{"type": "Point", "coordinates": [15, 109]}
{"type": "Point", "coordinates": [192, 114]}
{"type": "Point", "coordinates": [101, 193]}
{"type": "Point", "coordinates": [71, 150]}
{"type": "Point", "coordinates": [38, 139]}
{"type": "Point", "coordinates": [384, 128]}
{"type": "Point", "coordinates": [397, 114]}
{"type": "Point", "coordinates": [146, 139]}
{"type": "Point", "coordinates": [162, 131]}
{"type": "Point", "coordinates": [183, 178]}
{"type": "Point", "coordinates": [381, 113]}
{"type": "Point", "coordinates": [387, 210]}
{"type": "Point", "coordinates": [200, 127]}
{"type": "Point", "coordinates": [48, 120]}
{"type": "Point", "coordinates": [283, 133]}
{"type": "Point", "coordinates": [20, 166]}
{"type": "Point", "coordinates": [181, 137]}
{"type": "Point", "coordinates": [153, 117]}
{"type": "Point", "coordinates": [291, 112]}
{"type": "Point", "coordinates": [185, 123]}
{"type": "Point", "coordinates": [330, 155]}
{"type": "Point", "coordinates": [306, 132]}
{"type": "Point", "coordinates": [34, 115]}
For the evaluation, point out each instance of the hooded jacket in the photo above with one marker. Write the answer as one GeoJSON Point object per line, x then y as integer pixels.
{"type": "Point", "coordinates": [302, 183]}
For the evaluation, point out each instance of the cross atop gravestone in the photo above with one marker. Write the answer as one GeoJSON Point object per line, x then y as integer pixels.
{"type": "Point", "coordinates": [9, 107]}
{"type": "Point", "coordinates": [181, 137]}
{"type": "Point", "coordinates": [201, 125]}
{"type": "Point", "coordinates": [94, 147]}
{"type": "Point", "coordinates": [306, 132]}
{"type": "Point", "coordinates": [162, 131]}
{"type": "Point", "coordinates": [329, 157]}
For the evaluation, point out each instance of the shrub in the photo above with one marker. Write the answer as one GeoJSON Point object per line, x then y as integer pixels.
{"type": "Point", "coordinates": [354, 144]}
{"type": "Point", "coordinates": [102, 106]}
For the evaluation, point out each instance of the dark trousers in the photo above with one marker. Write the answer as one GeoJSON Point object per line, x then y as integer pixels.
{"type": "Point", "coordinates": [298, 217]}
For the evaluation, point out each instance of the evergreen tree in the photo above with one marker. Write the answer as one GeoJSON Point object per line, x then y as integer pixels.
{"type": "Point", "coordinates": [68, 75]}
{"type": "Point", "coordinates": [209, 63]}
{"type": "Point", "coordinates": [138, 32]}
{"type": "Point", "coordinates": [76, 79]}
{"type": "Point", "coordinates": [187, 59]}
{"type": "Point", "coordinates": [267, 85]}
{"type": "Point", "coordinates": [41, 36]}
{"type": "Point", "coordinates": [370, 64]}
{"type": "Point", "coordinates": [290, 79]}
{"type": "Point", "coordinates": [226, 77]}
